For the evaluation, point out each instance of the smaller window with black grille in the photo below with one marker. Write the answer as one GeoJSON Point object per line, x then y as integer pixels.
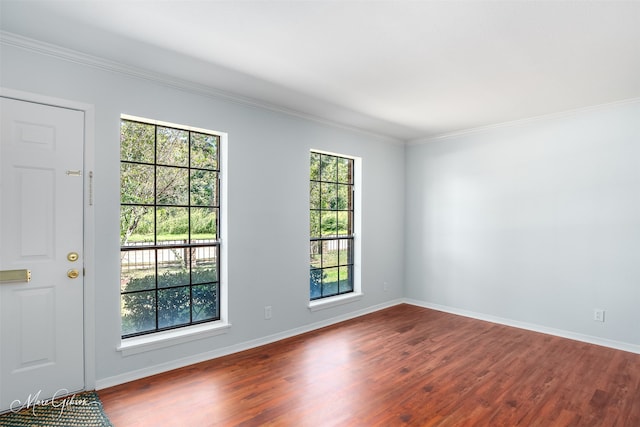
{"type": "Point", "coordinates": [331, 213]}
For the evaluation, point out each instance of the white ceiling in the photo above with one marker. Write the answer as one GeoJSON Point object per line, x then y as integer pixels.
{"type": "Point", "coordinates": [407, 69]}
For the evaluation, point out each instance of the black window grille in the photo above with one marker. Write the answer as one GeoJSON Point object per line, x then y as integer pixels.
{"type": "Point", "coordinates": [331, 225]}
{"type": "Point", "coordinates": [169, 227]}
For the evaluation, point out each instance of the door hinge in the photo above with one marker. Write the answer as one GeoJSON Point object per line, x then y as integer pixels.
{"type": "Point", "coordinates": [90, 188]}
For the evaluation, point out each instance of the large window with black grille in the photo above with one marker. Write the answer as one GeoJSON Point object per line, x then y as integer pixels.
{"type": "Point", "coordinates": [331, 225]}
{"type": "Point", "coordinates": [169, 226]}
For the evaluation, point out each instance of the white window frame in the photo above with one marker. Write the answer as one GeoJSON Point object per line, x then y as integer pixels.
{"type": "Point", "coordinates": [357, 294]}
{"type": "Point", "coordinates": [163, 339]}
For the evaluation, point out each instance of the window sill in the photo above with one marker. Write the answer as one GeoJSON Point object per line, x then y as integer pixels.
{"type": "Point", "coordinates": [170, 338]}
{"type": "Point", "coordinates": [325, 303]}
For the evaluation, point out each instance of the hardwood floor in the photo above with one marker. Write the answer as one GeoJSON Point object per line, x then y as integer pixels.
{"type": "Point", "coordinates": [405, 365]}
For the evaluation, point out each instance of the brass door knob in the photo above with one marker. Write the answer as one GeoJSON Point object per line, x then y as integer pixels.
{"type": "Point", "coordinates": [72, 274]}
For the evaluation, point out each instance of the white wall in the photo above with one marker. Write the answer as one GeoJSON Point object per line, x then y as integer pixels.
{"type": "Point", "coordinates": [536, 223]}
{"type": "Point", "coordinates": [268, 230]}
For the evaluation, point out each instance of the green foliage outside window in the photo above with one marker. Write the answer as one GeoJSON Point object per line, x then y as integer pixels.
{"type": "Point", "coordinates": [174, 304]}
{"type": "Point", "coordinates": [168, 224]}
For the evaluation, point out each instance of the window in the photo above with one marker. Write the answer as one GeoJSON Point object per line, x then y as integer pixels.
{"type": "Point", "coordinates": [331, 225]}
{"type": "Point", "coordinates": [169, 227]}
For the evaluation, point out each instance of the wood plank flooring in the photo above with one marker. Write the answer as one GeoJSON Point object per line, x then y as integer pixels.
{"type": "Point", "coordinates": [405, 365]}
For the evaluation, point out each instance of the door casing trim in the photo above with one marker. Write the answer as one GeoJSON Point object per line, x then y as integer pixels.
{"type": "Point", "coordinates": [88, 220]}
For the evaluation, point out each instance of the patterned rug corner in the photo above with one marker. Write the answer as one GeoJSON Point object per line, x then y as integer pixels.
{"type": "Point", "coordinates": [78, 410]}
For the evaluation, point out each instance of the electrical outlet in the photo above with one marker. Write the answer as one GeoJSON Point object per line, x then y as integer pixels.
{"type": "Point", "coordinates": [385, 286]}
{"type": "Point", "coordinates": [598, 315]}
{"type": "Point", "coordinates": [267, 312]}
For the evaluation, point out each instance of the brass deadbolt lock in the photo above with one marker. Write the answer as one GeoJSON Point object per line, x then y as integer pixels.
{"type": "Point", "coordinates": [72, 256]}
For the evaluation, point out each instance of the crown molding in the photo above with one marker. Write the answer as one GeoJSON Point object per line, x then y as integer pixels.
{"type": "Point", "coordinates": [81, 58]}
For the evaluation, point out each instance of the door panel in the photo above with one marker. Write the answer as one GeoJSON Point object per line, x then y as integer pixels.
{"type": "Point", "coordinates": [36, 221]}
{"type": "Point", "coordinates": [35, 311]}
{"type": "Point", "coordinates": [41, 221]}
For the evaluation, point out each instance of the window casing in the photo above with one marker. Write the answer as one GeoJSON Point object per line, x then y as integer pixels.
{"type": "Point", "coordinates": [331, 215]}
{"type": "Point", "coordinates": [169, 227]}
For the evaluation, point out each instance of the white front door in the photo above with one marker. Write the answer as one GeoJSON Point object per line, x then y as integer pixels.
{"type": "Point", "coordinates": [41, 228]}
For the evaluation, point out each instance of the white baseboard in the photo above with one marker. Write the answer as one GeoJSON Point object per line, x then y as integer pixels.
{"type": "Point", "coordinates": [201, 357]}
{"type": "Point", "coordinates": [618, 345]}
